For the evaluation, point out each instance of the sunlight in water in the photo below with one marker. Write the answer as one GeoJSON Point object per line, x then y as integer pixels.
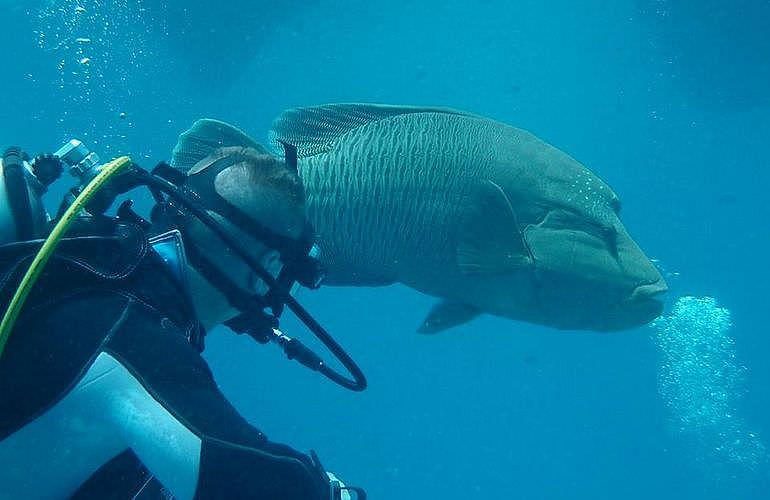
{"type": "Point", "coordinates": [702, 383]}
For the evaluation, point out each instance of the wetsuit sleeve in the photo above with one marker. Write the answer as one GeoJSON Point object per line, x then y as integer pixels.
{"type": "Point", "coordinates": [235, 460]}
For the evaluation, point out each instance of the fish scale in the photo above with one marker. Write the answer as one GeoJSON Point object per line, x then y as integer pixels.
{"type": "Point", "coordinates": [484, 216]}
{"type": "Point", "coordinates": [394, 212]}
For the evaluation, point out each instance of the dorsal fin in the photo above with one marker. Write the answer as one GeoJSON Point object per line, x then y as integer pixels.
{"type": "Point", "coordinates": [316, 129]}
{"type": "Point", "coordinates": [206, 136]}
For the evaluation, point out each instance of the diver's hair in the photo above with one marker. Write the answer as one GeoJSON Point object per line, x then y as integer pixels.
{"type": "Point", "coordinates": [264, 187]}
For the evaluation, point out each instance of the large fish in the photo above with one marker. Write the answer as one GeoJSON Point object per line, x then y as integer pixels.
{"type": "Point", "coordinates": [485, 216]}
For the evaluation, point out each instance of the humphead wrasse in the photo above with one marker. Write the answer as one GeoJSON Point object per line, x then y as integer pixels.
{"type": "Point", "coordinates": [484, 216]}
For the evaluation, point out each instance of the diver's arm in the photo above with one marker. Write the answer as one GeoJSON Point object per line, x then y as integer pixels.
{"type": "Point", "coordinates": [199, 445]}
{"type": "Point", "coordinates": [114, 404]}
{"type": "Point", "coordinates": [173, 417]}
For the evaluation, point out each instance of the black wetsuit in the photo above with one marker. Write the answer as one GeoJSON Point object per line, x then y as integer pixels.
{"type": "Point", "coordinates": [109, 309]}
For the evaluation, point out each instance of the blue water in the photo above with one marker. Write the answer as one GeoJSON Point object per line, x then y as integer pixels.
{"type": "Point", "coordinates": [667, 101]}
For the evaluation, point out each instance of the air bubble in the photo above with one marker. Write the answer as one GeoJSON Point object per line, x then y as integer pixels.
{"type": "Point", "coordinates": [702, 385]}
{"type": "Point", "coordinates": [100, 50]}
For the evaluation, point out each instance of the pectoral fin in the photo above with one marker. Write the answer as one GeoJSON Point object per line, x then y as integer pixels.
{"type": "Point", "coordinates": [447, 314]}
{"type": "Point", "coordinates": [489, 240]}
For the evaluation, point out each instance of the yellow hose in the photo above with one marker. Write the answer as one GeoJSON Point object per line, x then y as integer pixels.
{"type": "Point", "coordinates": [106, 171]}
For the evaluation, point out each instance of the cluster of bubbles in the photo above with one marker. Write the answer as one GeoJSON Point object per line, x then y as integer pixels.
{"type": "Point", "coordinates": [99, 47]}
{"type": "Point", "coordinates": [701, 382]}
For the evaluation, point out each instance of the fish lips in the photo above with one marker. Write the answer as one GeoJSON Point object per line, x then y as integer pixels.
{"type": "Point", "coordinates": [569, 304]}
{"type": "Point", "coordinates": [608, 311]}
{"type": "Point", "coordinates": [643, 305]}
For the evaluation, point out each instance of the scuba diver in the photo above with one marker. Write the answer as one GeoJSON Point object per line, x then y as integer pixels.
{"type": "Point", "coordinates": [103, 390]}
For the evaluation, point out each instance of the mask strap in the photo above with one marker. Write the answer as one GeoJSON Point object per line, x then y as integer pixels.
{"type": "Point", "coordinates": [202, 184]}
{"type": "Point", "coordinates": [298, 265]}
{"type": "Point", "coordinates": [252, 320]}
{"type": "Point", "coordinates": [292, 347]}
{"type": "Point", "coordinates": [290, 156]}
{"type": "Point", "coordinates": [235, 295]}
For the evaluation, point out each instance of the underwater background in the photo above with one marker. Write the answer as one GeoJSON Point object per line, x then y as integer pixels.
{"type": "Point", "coordinates": [667, 101]}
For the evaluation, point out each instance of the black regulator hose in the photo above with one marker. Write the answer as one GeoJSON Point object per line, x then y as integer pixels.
{"type": "Point", "coordinates": [292, 347]}
{"type": "Point", "coordinates": [358, 383]}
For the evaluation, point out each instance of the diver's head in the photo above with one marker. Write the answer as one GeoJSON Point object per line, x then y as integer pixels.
{"type": "Point", "coordinates": [258, 184]}
{"type": "Point", "coordinates": [255, 228]}
{"type": "Point", "coordinates": [264, 190]}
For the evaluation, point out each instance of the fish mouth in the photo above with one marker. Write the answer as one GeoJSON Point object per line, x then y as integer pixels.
{"type": "Point", "coordinates": [646, 300]}
{"type": "Point", "coordinates": [649, 291]}
{"type": "Point", "coordinates": [643, 305]}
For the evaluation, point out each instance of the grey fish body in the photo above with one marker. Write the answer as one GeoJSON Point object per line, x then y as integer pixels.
{"type": "Point", "coordinates": [449, 204]}
{"type": "Point", "coordinates": [391, 193]}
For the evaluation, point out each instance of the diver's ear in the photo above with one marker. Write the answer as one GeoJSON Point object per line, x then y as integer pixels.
{"type": "Point", "coordinates": [489, 239]}
{"type": "Point", "coordinates": [447, 314]}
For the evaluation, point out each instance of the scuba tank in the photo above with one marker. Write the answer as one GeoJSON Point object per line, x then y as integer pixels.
{"type": "Point", "coordinates": [22, 185]}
